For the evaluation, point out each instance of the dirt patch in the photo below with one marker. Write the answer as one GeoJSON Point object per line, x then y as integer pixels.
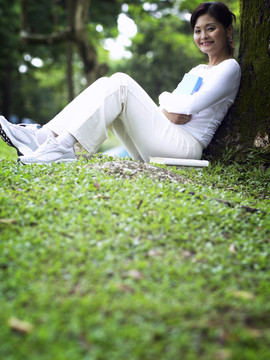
{"type": "Point", "coordinates": [131, 169]}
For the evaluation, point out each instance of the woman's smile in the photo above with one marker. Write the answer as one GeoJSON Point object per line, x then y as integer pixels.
{"type": "Point", "coordinates": [207, 43]}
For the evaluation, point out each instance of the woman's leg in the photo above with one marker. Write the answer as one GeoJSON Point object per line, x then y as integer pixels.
{"type": "Point", "coordinates": [149, 129]}
{"type": "Point", "coordinates": [120, 104]}
{"type": "Point", "coordinates": [97, 108]}
{"type": "Point", "coordinates": [118, 129]}
{"type": "Point", "coordinates": [84, 109]}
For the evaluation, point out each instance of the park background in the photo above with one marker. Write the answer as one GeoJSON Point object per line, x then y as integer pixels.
{"type": "Point", "coordinates": [109, 259]}
{"type": "Point", "coordinates": [52, 50]}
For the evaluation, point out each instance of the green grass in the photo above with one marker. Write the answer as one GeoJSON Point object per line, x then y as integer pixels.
{"type": "Point", "coordinates": [107, 268]}
{"type": "Point", "coordinates": [7, 152]}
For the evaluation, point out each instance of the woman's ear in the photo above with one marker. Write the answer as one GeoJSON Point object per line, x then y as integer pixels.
{"type": "Point", "coordinates": [229, 31]}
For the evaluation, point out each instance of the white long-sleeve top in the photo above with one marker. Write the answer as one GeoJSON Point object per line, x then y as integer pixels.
{"type": "Point", "coordinates": [210, 104]}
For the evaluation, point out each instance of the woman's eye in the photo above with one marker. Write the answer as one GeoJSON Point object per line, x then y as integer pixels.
{"type": "Point", "coordinates": [211, 29]}
{"type": "Point", "coordinates": [197, 31]}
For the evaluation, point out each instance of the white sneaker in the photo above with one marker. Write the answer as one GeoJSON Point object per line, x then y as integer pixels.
{"type": "Point", "coordinates": [48, 152]}
{"type": "Point", "coordinates": [22, 137]}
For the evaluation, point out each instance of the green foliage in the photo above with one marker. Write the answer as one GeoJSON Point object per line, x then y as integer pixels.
{"type": "Point", "coordinates": [7, 152]}
{"type": "Point", "coordinates": [190, 5]}
{"type": "Point", "coordinates": [105, 12]}
{"type": "Point", "coordinates": [104, 267]}
{"type": "Point", "coordinates": [50, 98]}
{"type": "Point", "coordinates": [163, 50]}
{"type": "Point", "coordinates": [8, 32]}
{"type": "Point", "coordinates": [9, 50]}
{"type": "Point", "coordinates": [44, 17]}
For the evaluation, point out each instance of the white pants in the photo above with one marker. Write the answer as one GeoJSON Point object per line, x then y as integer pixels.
{"type": "Point", "coordinates": [121, 105]}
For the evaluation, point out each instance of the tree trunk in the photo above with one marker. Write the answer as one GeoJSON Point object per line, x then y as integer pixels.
{"type": "Point", "coordinates": [86, 50]}
{"type": "Point", "coordinates": [247, 124]}
{"type": "Point", "coordinates": [69, 71]}
{"type": "Point", "coordinates": [6, 84]}
{"type": "Point", "coordinates": [69, 54]}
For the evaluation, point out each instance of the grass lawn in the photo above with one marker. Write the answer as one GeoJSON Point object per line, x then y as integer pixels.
{"type": "Point", "coordinates": [101, 266]}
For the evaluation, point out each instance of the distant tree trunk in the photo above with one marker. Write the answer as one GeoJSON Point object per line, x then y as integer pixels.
{"type": "Point", "coordinates": [86, 50]}
{"type": "Point", "coordinates": [69, 71]}
{"type": "Point", "coordinates": [69, 54]}
{"type": "Point", "coordinates": [76, 31]}
{"type": "Point", "coordinates": [247, 124]}
{"type": "Point", "coordinates": [5, 84]}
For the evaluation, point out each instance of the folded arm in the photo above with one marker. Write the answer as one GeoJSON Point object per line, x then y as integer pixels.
{"type": "Point", "coordinates": [217, 87]}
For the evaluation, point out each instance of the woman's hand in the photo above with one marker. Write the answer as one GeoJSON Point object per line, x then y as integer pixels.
{"type": "Point", "coordinates": [179, 119]}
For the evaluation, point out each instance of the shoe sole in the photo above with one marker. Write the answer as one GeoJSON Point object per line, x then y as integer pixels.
{"type": "Point", "coordinates": [48, 163]}
{"type": "Point", "coordinates": [7, 140]}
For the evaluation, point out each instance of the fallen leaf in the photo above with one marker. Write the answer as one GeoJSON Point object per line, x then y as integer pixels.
{"type": "Point", "coordinates": [125, 288]}
{"type": "Point", "coordinates": [154, 253]}
{"type": "Point", "coordinates": [186, 253]}
{"type": "Point", "coordinates": [242, 294]}
{"type": "Point", "coordinates": [19, 325]}
{"type": "Point", "coordinates": [255, 333]}
{"type": "Point", "coordinates": [7, 221]}
{"type": "Point", "coordinates": [223, 354]}
{"type": "Point", "coordinates": [134, 274]}
{"type": "Point", "coordinates": [152, 213]}
{"type": "Point", "coordinates": [232, 249]}
{"type": "Point", "coordinates": [96, 185]}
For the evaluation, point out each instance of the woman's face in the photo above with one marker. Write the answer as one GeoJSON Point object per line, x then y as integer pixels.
{"type": "Point", "coordinates": [211, 37]}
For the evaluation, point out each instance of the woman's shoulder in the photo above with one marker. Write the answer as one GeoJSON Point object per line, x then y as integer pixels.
{"type": "Point", "coordinates": [224, 63]}
{"type": "Point", "coordinates": [228, 68]}
{"type": "Point", "coordinates": [229, 63]}
{"type": "Point", "coordinates": [231, 68]}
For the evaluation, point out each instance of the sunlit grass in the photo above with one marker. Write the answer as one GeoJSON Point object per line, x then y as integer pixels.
{"type": "Point", "coordinates": [7, 152]}
{"type": "Point", "coordinates": [101, 267]}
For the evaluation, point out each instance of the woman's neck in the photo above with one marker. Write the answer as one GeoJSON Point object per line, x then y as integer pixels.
{"type": "Point", "coordinates": [216, 61]}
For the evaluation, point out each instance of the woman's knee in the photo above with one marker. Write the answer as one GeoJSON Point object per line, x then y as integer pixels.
{"type": "Point", "coordinates": [121, 77]}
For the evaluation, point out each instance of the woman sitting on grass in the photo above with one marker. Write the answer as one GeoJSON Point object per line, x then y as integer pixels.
{"type": "Point", "coordinates": [181, 127]}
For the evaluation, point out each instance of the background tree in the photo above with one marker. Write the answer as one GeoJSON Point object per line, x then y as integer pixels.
{"type": "Point", "coordinates": [163, 49]}
{"type": "Point", "coordinates": [48, 27]}
{"type": "Point", "coordinates": [73, 53]}
{"type": "Point", "coordinates": [48, 30]}
{"type": "Point", "coordinates": [10, 48]}
{"type": "Point", "coordinates": [69, 23]}
{"type": "Point", "coordinates": [247, 124]}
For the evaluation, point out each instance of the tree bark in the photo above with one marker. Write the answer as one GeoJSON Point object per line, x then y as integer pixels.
{"type": "Point", "coordinates": [69, 54]}
{"type": "Point", "coordinates": [86, 50]}
{"type": "Point", "coordinates": [247, 124]}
